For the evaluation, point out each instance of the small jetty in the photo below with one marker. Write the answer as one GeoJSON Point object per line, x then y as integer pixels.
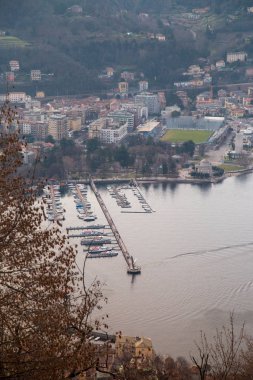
{"type": "Point", "coordinates": [144, 204]}
{"type": "Point", "coordinates": [132, 267]}
{"type": "Point", "coordinates": [121, 199]}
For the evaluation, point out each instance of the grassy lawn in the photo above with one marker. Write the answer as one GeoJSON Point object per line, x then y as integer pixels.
{"type": "Point", "coordinates": [181, 135]}
{"type": "Point", "coordinates": [230, 167]}
{"type": "Point", "coordinates": [9, 41]}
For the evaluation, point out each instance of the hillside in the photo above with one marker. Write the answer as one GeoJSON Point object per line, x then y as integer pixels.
{"type": "Point", "coordinates": [76, 47]}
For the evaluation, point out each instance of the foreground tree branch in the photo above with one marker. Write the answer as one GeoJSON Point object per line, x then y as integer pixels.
{"type": "Point", "coordinates": [45, 311]}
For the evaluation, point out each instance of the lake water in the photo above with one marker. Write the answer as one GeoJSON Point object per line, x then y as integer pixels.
{"type": "Point", "coordinates": [196, 254]}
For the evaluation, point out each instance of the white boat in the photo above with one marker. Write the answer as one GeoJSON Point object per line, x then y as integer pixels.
{"type": "Point", "coordinates": [90, 218]}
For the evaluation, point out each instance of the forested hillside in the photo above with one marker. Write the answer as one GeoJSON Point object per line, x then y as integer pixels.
{"type": "Point", "coordinates": [76, 47]}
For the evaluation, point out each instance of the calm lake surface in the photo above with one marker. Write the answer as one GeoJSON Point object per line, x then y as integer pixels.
{"type": "Point", "coordinates": [196, 254]}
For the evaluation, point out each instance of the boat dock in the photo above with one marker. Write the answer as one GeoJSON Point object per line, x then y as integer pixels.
{"type": "Point", "coordinates": [54, 208]}
{"type": "Point", "coordinates": [90, 227]}
{"type": "Point", "coordinates": [132, 268]}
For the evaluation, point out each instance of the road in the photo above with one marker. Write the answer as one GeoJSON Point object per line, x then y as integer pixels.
{"type": "Point", "coordinates": [216, 157]}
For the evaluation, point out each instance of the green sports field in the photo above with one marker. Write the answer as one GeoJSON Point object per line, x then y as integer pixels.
{"type": "Point", "coordinates": [181, 135]}
{"type": "Point", "coordinates": [11, 41]}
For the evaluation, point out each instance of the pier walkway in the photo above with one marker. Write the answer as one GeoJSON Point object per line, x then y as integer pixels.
{"type": "Point", "coordinates": [129, 259]}
{"type": "Point", "coordinates": [51, 189]}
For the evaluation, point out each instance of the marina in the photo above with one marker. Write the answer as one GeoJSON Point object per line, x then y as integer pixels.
{"type": "Point", "coordinates": [95, 236]}
{"type": "Point", "coordinates": [99, 234]}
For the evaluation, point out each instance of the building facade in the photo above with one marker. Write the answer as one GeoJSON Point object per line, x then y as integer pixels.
{"type": "Point", "coordinates": [143, 85]}
{"type": "Point", "coordinates": [122, 116]}
{"type": "Point", "coordinates": [237, 56]}
{"type": "Point", "coordinates": [151, 101]}
{"type": "Point", "coordinates": [36, 75]}
{"type": "Point", "coordinates": [57, 127]}
{"type": "Point", "coordinates": [14, 65]}
{"type": "Point", "coordinates": [113, 132]}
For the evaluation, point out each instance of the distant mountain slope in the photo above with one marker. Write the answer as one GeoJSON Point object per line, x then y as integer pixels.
{"type": "Point", "coordinates": [77, 47]}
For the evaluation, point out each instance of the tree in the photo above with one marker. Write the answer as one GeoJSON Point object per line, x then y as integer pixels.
{"type": "Point", "coordinates": [175, 114]}
{"type": "Point", "coordinates": [50, 139]}
{"type": "Point", "coordinates": [122, 156]}
{"type": "Point", "coordinates": [67, 146]}
{"type": "Point", "coordinates": [188, 147]}
{"type": "Point", "coordinates": [45, 306]}
{"type": "Point", "coordinates": [223, 357]}
{"type": "Point", "coordinates": [165, 168]}
{"type": "Point", "coordinates": [92, 145]}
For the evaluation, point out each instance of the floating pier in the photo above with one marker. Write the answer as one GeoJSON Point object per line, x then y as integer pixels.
{"type": "Point", "coordinates": [132, 268]}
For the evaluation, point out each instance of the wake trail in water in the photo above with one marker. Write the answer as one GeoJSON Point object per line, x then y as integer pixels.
{"type": "Point", "coordinates": [205, 251]}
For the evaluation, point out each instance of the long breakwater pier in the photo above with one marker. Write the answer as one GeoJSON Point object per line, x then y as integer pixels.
{"type": "Point", "coordinates": [132, 268]}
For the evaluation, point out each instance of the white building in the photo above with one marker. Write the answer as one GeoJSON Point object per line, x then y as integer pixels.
{"type": "Point", "coordinates": [139, 109]}
{"type": "Point", "coordinates": [113, 132]}
{"type": "Point", "coordinates": [26, 128]}
{"type": "Point", "coordinates": [14, 97]}
{"type": "Point", "coordinates": [35, 75]}
{"type": "Point", "coordinates": [204, 167]}
{"type": "Point", "coordinates": [237, 56]}
{"type": "Point", "coordinates": [143, 85]}
{"type": "Point", "coordinates": [151, 101]}
{"type": "Point", "coordinates": [123, 116]}
{"type": "Point", "coordinates": [220, 64]}
{"type": "Point", "coordinates": [28, 157]}
{"type": "Point", "coordinates": [14, 65]}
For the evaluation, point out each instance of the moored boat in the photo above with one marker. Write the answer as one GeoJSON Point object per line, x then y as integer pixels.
{"type": "Point", "coordinates": [102, 254]}
{"type": "Point", "coordinates": [96, 240]}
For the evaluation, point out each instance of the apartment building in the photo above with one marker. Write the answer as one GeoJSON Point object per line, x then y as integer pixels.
{"type": "Point", "coordinates": [143, 85]}
{"type": "Point", "coordinates": [123, 116]}
{"type": "Point", "coordinates": [113, 132]}
{"type": "Point", "coordinates": [95, 128]}
{"type": "Point", "coordinates": [123, 87]}
{"type": "Point", "coordinates": [57, 127]}
{"type": "Point", "coordinates": [237, 56]}
{"type": "Point", "coordinates": [151, 101]}
{"type": "Point", "coordinates": [14, 97]}
{"type": "Point", "coordinates": [14, 65]}
{"type": "Point", "coordinates": [36, 75]}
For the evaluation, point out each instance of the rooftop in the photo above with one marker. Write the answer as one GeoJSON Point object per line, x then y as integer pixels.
{"type": "Point", "coordinates": [148, 126]}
